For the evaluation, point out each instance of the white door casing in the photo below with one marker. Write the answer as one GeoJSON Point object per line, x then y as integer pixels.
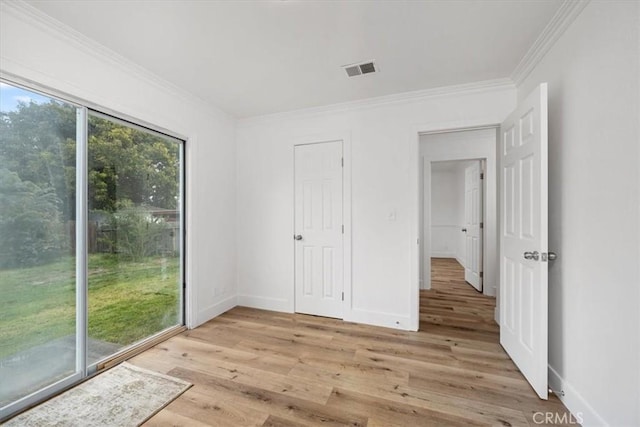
{"type": "Point", "coordinates": [523, 238]}
{"type": "Point", "coordinates": [473, 225]}
{"type": "Point", "coordinates": [318, 229]}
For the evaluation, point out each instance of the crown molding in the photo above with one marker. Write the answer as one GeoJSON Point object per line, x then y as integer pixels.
{"type": "Point", "coordinates": [563, 18]}
{"type": "Point", "coordinates": [397, 98]}
{"type": "Point", "coordinates": [33, 16]}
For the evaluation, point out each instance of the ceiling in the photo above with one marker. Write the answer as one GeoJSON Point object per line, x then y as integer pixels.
{"type": "Point", "coordinates": [257, 57]}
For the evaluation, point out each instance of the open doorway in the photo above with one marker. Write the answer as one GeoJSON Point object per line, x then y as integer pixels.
{"type": "Point", "coordinates": [520, 262]}
{"type": "Point", "coordinates": [457, 217]}
{"type": "Point", "coordinates": [447, 160]}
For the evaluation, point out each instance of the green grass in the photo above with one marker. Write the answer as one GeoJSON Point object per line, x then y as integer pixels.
{"type": "Point", "coordinates": [128, 301]}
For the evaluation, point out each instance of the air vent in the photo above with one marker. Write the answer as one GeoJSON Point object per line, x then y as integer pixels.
{"type": "Point", "coordinates": [359, 69]}
{"type": "Point", "coordinates": [352, 71]}
{"type": "Point", "coordinates": [368, 68]}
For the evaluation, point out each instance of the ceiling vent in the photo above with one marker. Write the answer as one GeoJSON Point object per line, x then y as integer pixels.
{"type": "Point", "coordinates": [359, 69]}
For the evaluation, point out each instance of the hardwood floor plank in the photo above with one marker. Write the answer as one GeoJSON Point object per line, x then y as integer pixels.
{"type": "Point", "coordinates": [254, 367]}
{"type": "Point", "coordinates": [288, 407]}
{"type": "Point", "coordinates": [428, 399]}
{"type": "Point", "coordinates": [294, 348]}
{"type": "Point", "coordinates": [251, 376]}
{"type": "Point", "coordinates": [168, 418]}
{"type": "Point", "coordinates": [393, 413]}
{"type": "Point", "coordinates": [215, 410]}
{"type": "Point", "coordinates": [274, 421]}
{"type": "Point", "coordinates": [211, 351]}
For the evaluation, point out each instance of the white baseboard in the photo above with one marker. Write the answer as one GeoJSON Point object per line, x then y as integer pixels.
{"type": "Point", "coordinates": [215, 310]}
{"type": "Point", "coordinates": [387, 320]}
{"type": "Point", "coordinates": [488, 289]}
{"type": "Point", "coordinates": [266, 303]}
{"type": "Point", "coordinates": [436, 254]}
{"type": "Point", "coordinates": [575, 403]}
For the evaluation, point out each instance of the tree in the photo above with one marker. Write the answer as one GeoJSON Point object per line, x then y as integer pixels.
{"type": "Point", "coordinates": [37, 141]}
{"type": "Point", "coordinates": [127, 164]}
{"type": "Point", "coordinates": [128, 167]}
{"type": "Point", "coordinates": [137, 233]}
{"type": "Point", "coordinates": [30, 224]}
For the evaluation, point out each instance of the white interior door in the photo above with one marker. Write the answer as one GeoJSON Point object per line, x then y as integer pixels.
{"type": "Point", "coordinates": [473, 225]}
{"type": "Point", "coordinates": [523, 238]}
{"type": "Point", "coordinates": [318, 229]}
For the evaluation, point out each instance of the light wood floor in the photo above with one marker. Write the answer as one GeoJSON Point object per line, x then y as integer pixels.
{"type": "Point", "coordinates": [258, 368]}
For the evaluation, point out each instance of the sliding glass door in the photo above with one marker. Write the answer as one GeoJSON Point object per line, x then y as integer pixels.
{"type": "Point", "coordinates": [91, 241]}
{"type": "Point", "coordinates": [134, 245]}
{"type": "Point", "coordinates": [38, 327]}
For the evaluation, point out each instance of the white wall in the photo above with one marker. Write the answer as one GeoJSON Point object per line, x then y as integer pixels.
{"type": "Point", "coordinates": [447, 210]}
{"type": "Point", "coordinates": [445, 213]}
{"type": "Point", "coordinates": [594, 161]}
{"type": "Point", "coordinates": [384, 180]}
{"type": "Point", "coordinates": [36, 48]}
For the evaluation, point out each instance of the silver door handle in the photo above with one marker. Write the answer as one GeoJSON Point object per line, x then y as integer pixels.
{"type": "Point", "coordinates": [535, 255]}
{"type": "Point", "coordinates": [297, 237]}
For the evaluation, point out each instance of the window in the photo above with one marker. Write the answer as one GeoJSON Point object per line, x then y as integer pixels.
{"type": "Point", "coordinates": [134, 240]}
{"type": "Point", "coordinates": [91, 241]}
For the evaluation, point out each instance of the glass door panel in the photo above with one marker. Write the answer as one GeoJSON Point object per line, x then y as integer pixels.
{"type": "Point", "coordinates": [134, 235]}
{"type": "Point", "coordinates": [37, 243]}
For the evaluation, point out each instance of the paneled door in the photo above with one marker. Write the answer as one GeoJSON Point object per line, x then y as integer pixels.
{"type": "Point", "coordinates": [473, 225]}
{"type": "Point", "coordinates": [523, 238]}
{"type": "Point", "coordinates": [318, 230]}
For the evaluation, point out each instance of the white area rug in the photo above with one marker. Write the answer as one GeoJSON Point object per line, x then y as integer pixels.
{"type": "Point", "coordinates": [123, 396]}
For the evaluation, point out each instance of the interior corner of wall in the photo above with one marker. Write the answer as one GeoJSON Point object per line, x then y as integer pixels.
{"type": "Point", "coordinates": [214, 310]}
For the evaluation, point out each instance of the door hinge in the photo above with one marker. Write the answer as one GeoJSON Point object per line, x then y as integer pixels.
{"type": "Point", "coordinates": [482, 225]}
{"type": "Point", "coordinates": [343, 296]}
{"type": "Point", "coordinates": [481, 176]}
{"type": "Point", "coordinates": [481, 274]}
{"type": "Point", "coordinates": [342, 228]}
{"type": "Point", "coordinates": [342, 161]}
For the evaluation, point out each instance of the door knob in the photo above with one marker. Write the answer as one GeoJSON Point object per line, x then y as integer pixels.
{"type": "Point", "coordinates": [464, 230]}
{"type": "Point", "coordinates": [297, 237]}
{"type": "Point", "coordinates": [552, 256]}
{"type": "Point", "coordinates": [535, 255]}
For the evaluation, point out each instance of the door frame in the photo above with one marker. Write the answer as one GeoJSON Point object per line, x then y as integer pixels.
{"type": "Point", "coordinates": [416, 174]}
{"type": "Point", "coordinates": [345, 137]}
